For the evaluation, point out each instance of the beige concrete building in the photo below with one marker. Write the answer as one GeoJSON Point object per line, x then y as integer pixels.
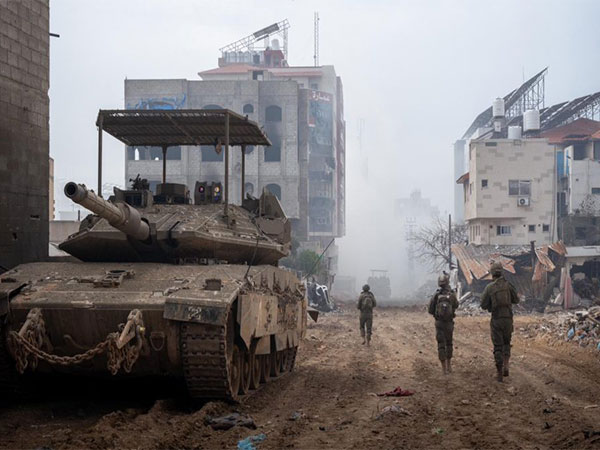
{"type": "Point", "coordinates": [509, 192]}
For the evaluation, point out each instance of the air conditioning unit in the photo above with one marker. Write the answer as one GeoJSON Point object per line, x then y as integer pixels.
{"type": "Point", "coordinates": [523, 201]}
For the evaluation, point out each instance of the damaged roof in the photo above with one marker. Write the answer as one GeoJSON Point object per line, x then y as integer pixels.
{"type": "Point", "coordinates": [581, 129]}
{"type": "Point", "coordinates": [475, 260]}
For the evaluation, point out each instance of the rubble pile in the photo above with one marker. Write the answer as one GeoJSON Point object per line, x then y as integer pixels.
{"type": "Point", "coordinates": [469, 305]}
{"type": "Point", "coordinates": [581, 327]}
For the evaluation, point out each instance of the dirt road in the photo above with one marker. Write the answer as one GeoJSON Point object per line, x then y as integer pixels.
{"type": "Point", "coordinates": [544, 404]}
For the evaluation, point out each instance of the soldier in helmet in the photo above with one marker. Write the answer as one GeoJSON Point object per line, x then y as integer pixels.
{"type": "Point", "coordinates": [498, 298]}
{"type": "Point", "coordinates": [443, 307]}
{"type": "Point", "coordinates": [366, 303]}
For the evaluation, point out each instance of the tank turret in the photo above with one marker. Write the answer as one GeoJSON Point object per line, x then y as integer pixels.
{"type": "Point", "coordinates": [120, 215]}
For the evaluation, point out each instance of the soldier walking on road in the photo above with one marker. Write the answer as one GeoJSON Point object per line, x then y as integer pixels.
{"type": "Point", "coordinates": [498, 298]}
{"type": "Point", "coordinates": [443, 307]}
{"type": "Point", "coordinates": [366, 303]}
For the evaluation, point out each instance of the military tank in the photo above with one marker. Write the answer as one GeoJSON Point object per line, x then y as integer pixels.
{"type": "Point", "coordinates": [167, 284]}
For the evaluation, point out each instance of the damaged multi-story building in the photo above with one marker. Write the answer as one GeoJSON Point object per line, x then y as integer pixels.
{"type": "Point", "coordinates": [530, 178]}
{"type": "Point", "coordinates": [302, 111]}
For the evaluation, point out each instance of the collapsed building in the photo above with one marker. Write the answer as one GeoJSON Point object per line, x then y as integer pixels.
{"type": "Point", "coordinates": [530, 178]}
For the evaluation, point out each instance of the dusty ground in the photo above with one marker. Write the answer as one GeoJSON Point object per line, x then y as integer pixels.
{"type": "Point", "coordinates": [544, 404]}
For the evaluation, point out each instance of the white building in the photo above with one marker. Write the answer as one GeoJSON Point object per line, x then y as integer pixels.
{"type": "Point", "coordinates": [509, 191]}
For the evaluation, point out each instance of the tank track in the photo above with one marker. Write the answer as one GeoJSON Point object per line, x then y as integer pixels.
{"type": "Point", "coordinates": [204, 357]}
{"type": "Point", "coordinates": [9, 380]}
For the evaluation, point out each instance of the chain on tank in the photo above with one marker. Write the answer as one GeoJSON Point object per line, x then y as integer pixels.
{"type": "Point", "coordinates": [122, 348]}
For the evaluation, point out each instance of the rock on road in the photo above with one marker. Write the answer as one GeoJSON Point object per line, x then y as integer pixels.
{"type": "Point", "coordinates": [551, 399]}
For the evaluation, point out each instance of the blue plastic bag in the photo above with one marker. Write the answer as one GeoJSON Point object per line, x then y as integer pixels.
{"type": "Point", "coordinates": [571, 333]}
{"type": "Point", "coordinates": [248, 443]}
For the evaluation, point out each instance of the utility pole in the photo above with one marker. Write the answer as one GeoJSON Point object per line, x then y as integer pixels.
{"type": "Point", "coordinates": [316, 38]}
{"type": "Point", "coordinates": [450, 242]}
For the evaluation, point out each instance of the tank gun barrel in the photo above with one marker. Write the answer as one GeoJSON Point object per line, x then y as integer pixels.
{"type": "Point", "coordinates": [119, 215]}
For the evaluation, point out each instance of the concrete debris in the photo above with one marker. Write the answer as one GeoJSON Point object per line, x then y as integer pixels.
{"type": "Point", "coordinates": [581, 327]}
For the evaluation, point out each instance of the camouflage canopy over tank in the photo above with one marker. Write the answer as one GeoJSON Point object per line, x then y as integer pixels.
{"type": "Point", "coordinates": [176, 283]}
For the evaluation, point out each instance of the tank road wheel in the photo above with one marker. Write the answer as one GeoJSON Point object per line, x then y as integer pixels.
{"type": "Point", "coordinates": [275, 364]}
{"type": "Point", "coordinates": [255, 370]}
{"type": "Point", "coordinates": [235, 371]}
{"type": "Point", "coordinates": [246, 371]}
{"type": "Point", "coordinates": [265, 368]}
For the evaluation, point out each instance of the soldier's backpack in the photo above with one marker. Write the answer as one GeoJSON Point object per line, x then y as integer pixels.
{"type": "Point", "coordinates": [367, 303]}
{"type": "Point", "coordinates": [443, 307]}
{"type": "Point", "coordinates": [501, 298]}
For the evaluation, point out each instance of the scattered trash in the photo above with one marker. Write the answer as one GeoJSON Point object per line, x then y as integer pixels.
{"type": "Point", "coordinates": [230, 421]}
{"type": "Point", "coordinates": [511, 390]}
{"type": "Point", "coordinates": [548, 411]}
{"type": "Point", "coordinates": [465, 402]}
{"type": "Point", "coordinates": [547, 426]}
{"type": "Point", "coordinates": [248, 443]}
{"type": "Point", "coordinates": [591, 406]}
{"type": "Point", "coordinates": [581, 327]}
{"type": "Point", "coordinates": [321, 427]}
{"type": "Point", "coordinates": [296, 415]}
{"type": "Point", "coordinates": [393, 409]}
{"type": "Point", "coordinates": [437, 431]}
{"type": "Point", "coordinates": [398, 392]}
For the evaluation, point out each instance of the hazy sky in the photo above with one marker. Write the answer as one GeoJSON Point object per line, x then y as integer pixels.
{"type": "Point", "coordinates": [416, 72]}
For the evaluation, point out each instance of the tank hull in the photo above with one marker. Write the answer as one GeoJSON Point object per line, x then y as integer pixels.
{"type": "Point", "coordinates": [209, 325]}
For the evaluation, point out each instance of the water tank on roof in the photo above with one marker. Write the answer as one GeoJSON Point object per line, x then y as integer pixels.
{"type": "Point", "coordinates": [531, 120]}
{"type": "Point", "coordinates": [514, 132]}
{"type": "Point", "coordinates": [498, 107]}
{"type": "Point", "coordinates": [275, 44]}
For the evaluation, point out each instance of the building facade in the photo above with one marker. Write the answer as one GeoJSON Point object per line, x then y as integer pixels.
{"type": "Point", "coordinates": [24, 131]}
{"type": "Point", "coordinates": [509, 192]}
{"type": "Point", "coordinates": [301, 110]}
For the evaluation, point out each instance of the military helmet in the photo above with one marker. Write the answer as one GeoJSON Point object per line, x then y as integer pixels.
{"type": "Point", "coordinates": [443, 280]}
{"type": "Point", "coordinates": [496, 269]}
{"type": "Point", "coordinates": [366, 288]}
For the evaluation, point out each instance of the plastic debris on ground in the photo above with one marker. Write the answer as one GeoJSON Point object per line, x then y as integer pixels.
{"type": "Point", "coordinates": [230, 421]}
{"type": "Point", "coordinates": [248, 443]}
{"type": "Point", "coordinates": [393, 409]}
{"type": "Point", "coordinates": [398, 392]}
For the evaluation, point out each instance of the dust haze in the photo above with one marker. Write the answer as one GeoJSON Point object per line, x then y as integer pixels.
{"type": "Point", "coordinates": [415, 75]}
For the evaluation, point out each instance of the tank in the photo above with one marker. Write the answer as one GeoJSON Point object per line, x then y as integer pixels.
{"type": "Point", "coordinates": [514, 132]}
{"type": "Point", "coordinates": [175, 284]}
{"type": "Point", "coordinates": [498, 107]}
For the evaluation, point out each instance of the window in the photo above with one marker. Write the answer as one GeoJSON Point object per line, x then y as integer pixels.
{"type": "Point", "coordinates": [519, 187]}
{"type": "Point", "coordinates": [545, 228]}
{"type": "Point", "coordinates": [153, 153]}
{"type": "Point", "coordinates": [484, 184]}
{"type": "Point", "coordinates": [596, 191]}
{"type": "Point", "coordinates": [597, 150]}
{"type": "Point", "coordinates": [209, 154]}
{"type": "Point", "coordinates": [580, 233]}
{"type": "Point", "coordinates": [491, 144]}
{"type": "Point", "coordinates": [257, 75]}
{"type": "Point", "coordinates": [273, 113]}
{"type": "Point", "coordinates": [314, 86]}
{"type": "Point", "coordinates": [273, 153]}
{"type": "Point", "coordinates": [470, 188]}
{"type": "Point", "coordinates": [532, 228]}
{"type": "Point", "coordinates": [503, 230]}
{"type": "Point", "coordinates": [212, 107]}
{"type": "Point", "coordinates": [274, 189]}
{"type": "Point", "coordinates": [579, 152]}
{"type": "Point", "coordinates": [248, 109]}
{"type": "Point", "coordinates": [248, 189]}
{"type": "Point", "coordinates": [249, 149]}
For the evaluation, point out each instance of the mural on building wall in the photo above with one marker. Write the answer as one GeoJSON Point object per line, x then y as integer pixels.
{"type": "Point", "coordinates": [166, 103]}
{"type": "Point", "coordinates": [320, 121]}
{"type": "Point", "coordinates": [321, 162]}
